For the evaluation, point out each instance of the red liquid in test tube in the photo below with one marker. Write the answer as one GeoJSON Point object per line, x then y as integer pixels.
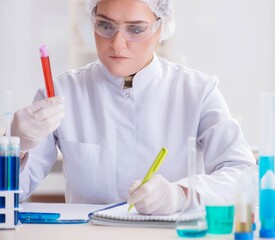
{"type": "Point", "coordinates": [45, 60]}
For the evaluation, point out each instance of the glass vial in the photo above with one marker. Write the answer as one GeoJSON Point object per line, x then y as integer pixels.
{"type": "Point", "coordinates": [244, 203]}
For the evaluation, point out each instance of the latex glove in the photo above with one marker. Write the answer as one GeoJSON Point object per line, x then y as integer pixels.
{"type": "Point", "coordinates": [35, 122]}
{"type": "Point", "coordinates": [157, 196]}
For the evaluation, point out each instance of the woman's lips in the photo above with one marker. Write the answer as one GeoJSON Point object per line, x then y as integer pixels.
{"type": "Point", "coordinates": [118, 58]}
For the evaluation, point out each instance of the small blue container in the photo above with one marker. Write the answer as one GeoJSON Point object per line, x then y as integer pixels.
{"type": "Point", "coordinates": [13, 170]}
{"type": "Point", "coordinates": [4, 141]}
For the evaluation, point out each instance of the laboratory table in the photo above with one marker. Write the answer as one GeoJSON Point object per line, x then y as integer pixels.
{"type": "Point", "coordinates": [89, 231]}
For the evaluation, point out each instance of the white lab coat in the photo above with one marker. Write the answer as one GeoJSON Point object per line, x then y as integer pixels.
{"type": "Point", "coordinates": [110, 136]}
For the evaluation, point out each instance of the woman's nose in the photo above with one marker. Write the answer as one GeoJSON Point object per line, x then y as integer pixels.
{"type": "Point", "coordinates": [118, 41]}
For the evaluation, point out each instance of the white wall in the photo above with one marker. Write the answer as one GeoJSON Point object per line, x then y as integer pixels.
{"type": "Point", "coordinates": [15, 46]}
{"type": "Point", "coordinates": [24, 26]}
{"type": "Point", "coordinates": [233, 39]}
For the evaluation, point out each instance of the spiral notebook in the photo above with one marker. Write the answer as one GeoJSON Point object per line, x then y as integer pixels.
{"type": "Point", "coordinates": [118, 215]}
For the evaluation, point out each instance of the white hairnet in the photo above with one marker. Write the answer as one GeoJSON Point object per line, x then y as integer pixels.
{"type": "Point", "coordinates": [161, 8]}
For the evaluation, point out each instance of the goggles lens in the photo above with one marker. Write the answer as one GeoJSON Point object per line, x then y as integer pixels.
{"type": "Point", "coordinates": [131, 31]}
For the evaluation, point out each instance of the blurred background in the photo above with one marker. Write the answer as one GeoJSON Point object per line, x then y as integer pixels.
{"type": "Point", "coordinates": [231, 39]}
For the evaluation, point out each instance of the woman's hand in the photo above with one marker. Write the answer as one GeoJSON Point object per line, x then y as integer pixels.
{"type": "Point", "coordinates": [35, 122]}
{"type": "Point", "coordinates": [157, 196]}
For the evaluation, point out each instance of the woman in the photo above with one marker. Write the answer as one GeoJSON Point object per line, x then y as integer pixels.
{"type": "Point", "coordinates": [122, 109]}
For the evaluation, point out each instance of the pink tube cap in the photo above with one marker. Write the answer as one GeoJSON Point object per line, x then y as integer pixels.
{"type": "Point", "coordinates": [43, 51]}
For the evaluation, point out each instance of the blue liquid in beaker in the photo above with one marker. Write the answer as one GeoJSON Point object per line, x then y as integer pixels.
{"type": "Point", "coordinates": [220, 219]}
{"type": "Point", "coordinates": [191, 229]}
{"type": "Point", "coordinates": [187, 233]}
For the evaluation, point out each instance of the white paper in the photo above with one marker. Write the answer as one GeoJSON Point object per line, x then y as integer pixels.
{"type": "Point", "coordinates": [66, 210]}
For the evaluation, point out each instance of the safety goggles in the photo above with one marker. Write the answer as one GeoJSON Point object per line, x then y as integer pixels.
{"type": "Point", "coordinates": [131, 31]}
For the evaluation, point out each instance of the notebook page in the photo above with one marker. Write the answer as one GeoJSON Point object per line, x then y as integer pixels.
{"type": "Point", "coordinates": [121, 213]}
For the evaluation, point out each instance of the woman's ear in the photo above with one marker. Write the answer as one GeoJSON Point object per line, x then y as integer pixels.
{"type": "Point", "coordinates": [158, 44]}
{"type": "Point", "coordinates": [158, 35]}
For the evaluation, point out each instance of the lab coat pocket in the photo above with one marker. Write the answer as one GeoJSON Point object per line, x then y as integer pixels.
{"type": "Point", "coordinates": [80, 168]}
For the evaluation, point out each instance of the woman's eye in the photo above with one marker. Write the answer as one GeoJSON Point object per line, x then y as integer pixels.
{"type": "Point", "coordinates": [105, 25]}
{"type": "Point", "coordinates": [134, 29]}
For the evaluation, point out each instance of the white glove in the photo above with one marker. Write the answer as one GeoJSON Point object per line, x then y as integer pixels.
{"type": "Point", "coordinates": [35, 122]}
{"type": "Point", "coordinates": [157, 196]}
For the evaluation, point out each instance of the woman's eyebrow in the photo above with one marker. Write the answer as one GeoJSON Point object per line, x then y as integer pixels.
{"type": "Point", "coordinates": [112, 20]}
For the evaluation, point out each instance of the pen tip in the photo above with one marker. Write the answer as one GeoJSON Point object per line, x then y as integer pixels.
{"type": "Point", "coordinates": [129, 208]}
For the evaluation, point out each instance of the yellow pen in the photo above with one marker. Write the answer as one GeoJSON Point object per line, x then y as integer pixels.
{"type": "Point", "coordinates": [154, 168]}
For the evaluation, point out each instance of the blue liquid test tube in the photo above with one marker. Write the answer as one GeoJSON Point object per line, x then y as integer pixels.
{"type": "Point", "coordinates": [3, 172]}
{"type": "Point", "coordinates": [13, 169]}
{"type": "Point", "coordinates": [267, 207]}
{"type": "Point", "coordinates": [3, 163]}
{"type": "Point", "coordinates": [267, 165]}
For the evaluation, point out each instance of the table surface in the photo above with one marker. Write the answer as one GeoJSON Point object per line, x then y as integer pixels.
{"type": "Point", "coordinates": [89, 231]}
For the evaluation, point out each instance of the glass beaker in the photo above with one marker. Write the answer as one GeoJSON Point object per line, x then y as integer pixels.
{"type": "Point", "coordinates": [196, 225]}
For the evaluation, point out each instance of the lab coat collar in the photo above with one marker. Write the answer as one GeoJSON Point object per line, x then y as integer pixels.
{"type": "Point", "coordinates": [146, 75]}
{"type": "Point", "coordinates": [117, 82]}
{"type": "Point", "coordinates": [141, 79]}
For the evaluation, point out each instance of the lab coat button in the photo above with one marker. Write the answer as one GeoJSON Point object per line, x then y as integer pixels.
{"type": "Point", "coordinates": [127, 95]}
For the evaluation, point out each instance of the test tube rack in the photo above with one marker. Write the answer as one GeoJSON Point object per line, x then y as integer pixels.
{"type": "Point", "coordinates": [9, 211]}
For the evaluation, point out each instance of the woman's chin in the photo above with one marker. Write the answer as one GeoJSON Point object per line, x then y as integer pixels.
{"type": "Point", "coordinates": [120, 72]}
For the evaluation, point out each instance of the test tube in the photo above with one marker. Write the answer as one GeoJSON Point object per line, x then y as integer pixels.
{"type": "Point", "coordinates": [4, 141]}
{"type": "Point", "coordinates": [267, 206]}
{"type": "Point", "coordinates": [266, 164]}
{"type": "Point", "coordinates": [14, 158]}
{"type": "Point", "coordinates": [255, 198]}
{"type": "Point", "coordinates": [8, 111]}
{"type": "Point", "coordinates": [267, 133]}
{"type": "Point", "coordinates": [46, 66]}
{"type": "Point", "coordinates": [3, 172]}
{"type": "Point", "coordinates": [14, 165]}
{"type": "Point", "coordinates": [243, 208]}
